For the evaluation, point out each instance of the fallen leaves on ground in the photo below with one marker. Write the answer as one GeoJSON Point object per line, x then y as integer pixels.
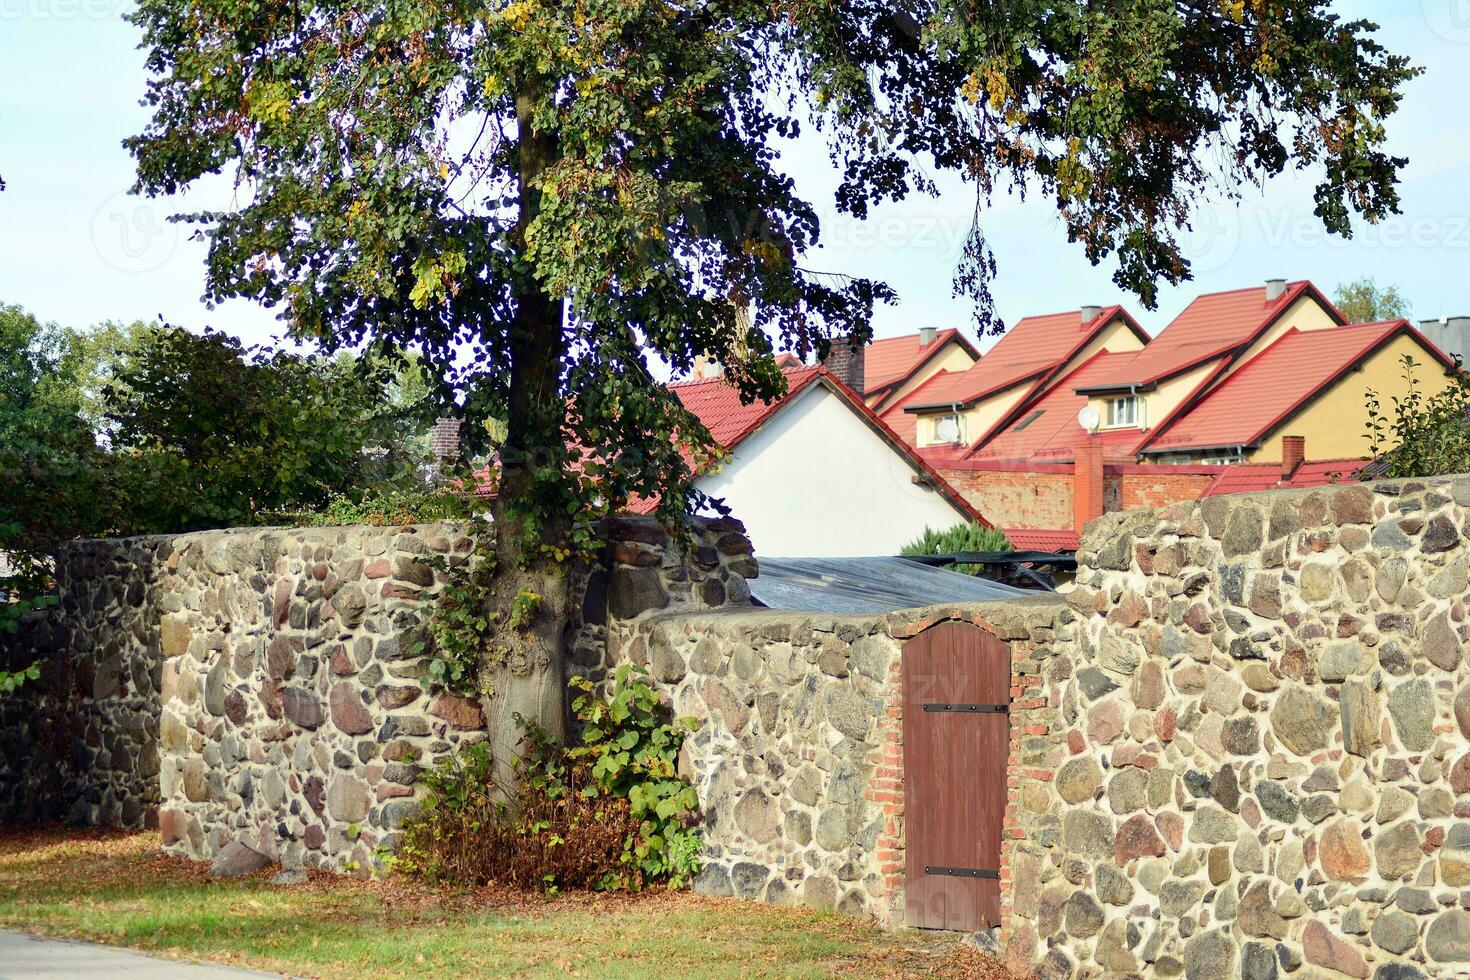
{"type": "Point", "coordinates": [98, 884]}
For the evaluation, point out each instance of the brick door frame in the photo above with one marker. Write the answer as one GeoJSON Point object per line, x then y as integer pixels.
{"type": "Point", "coordinates": [886, 789]}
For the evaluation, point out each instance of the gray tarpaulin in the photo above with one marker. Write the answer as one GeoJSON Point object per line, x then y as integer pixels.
{"type": "Point", "coordinates": [859, 585]}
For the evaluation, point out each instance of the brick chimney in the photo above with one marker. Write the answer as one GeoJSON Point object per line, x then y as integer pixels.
{"type": "Point", "coordinates": [1293, 452]}
{"type": "Point", "coordinates": [1275, 289]}
{"type": "Point", "coordinates": [927, 335]}
{"type": "Point", "coordinates": [1087, 482]}
{"type": "Point", "coordinates": [847, 363]}
{"type": "Point", "coordinates": [444, 440]}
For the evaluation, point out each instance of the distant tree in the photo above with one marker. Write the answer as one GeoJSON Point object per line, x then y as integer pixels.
{"type": "Point", "coordinates": [539, 195]}
{"type": "Point", "coordinates": [209, 433]}
{"type": "Point", "coordinates": [51, 468]}
{"type": "Point", "coordinates": [965, 536]}
{"type": "Point", "coordinates": [1362, 301]}
{"type": "Point", "coordinates": [52, 473]}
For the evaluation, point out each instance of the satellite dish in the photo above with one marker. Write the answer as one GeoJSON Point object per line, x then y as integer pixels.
{"type": "Point", "coordinates": [1088, 418]}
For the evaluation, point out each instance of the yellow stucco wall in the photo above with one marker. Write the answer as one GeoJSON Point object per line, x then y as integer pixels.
{"type": "Point", "coordinates": [954, 357]}
{"type": "Point", "coordinates": [1305, 314]}
{"type": "Point", "coordinates": [1335, 425]}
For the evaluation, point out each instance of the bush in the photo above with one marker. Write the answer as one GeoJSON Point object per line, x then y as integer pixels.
{"type": "Point", "coordinates": [607, 813]}
{"type": "Point", "coordinates": [1421, 435]}
{"type": "Point", "coordinates": [968, 536]}
{"type": "Point", "coordinates": [383, 508]}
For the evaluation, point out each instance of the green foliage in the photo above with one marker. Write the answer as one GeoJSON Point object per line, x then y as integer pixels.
{"type": "Point", "coordinates": [207, 433]}
{"type": "Point", "coordinates": [609, 812]}
{"type": "Point", "coordinates": [12, 679]}
{"type": "Point", "coordinates": [567, 189]}
{"type": "Point", "coordinates": [632, 748]}
{"type": "Point", "coordinates": [965, 536]}
{"type": "Point", "coordinates": [463, 627]}
{"type": "Point", "coordinates": [382, 507]}
{"type": "Point", "coordinates": [1421, 435]}
{"type": "Point", "coordinates": [1362, 301]}
{"type": "Point", "coordinates": [523, 608]}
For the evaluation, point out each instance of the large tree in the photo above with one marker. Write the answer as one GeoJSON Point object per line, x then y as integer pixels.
{"type": "Point", "coordinates": [541, 195]}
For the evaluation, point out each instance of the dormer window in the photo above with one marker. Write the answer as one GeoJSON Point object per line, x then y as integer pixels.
{"type": "Point", "coordinates": [948, 429]}
{"type": "Point", "coordinates": [1123, 412]}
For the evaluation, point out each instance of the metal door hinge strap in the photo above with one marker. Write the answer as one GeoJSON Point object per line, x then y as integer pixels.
{"type": "Point", "coordinates": [999, 709]}
{"type": "Point", "coordinates": [962, 872]}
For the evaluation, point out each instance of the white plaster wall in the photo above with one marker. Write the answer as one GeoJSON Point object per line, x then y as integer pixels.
{"type": "Point", "coordinates": [816, 482]}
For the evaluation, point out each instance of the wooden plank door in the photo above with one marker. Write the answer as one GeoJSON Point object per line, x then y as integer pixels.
{"type": "Point", "coordinates": [956, 739]}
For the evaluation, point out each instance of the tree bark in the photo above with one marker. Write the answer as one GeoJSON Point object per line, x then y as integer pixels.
{"type": "Point", "coordinates": [530, 682]}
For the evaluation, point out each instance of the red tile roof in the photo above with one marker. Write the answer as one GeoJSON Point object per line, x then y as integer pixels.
{"type": "Point", "coordinates": [730, 422]}
{"type": "Point", "coordinates": [1041, 539]}
{"type": "Point", "coordinates": [719, 407]}
{"type": "Point", "coordinates": [1032, 349]}
{"type": "Point", "coordinates": [1267, 390]}
{"type": "Point", "coordinates": [904, 424]}
{"type": "Point", "coordinates": [1210, 327]}
{"type": "Point", "coordinates": [1250, 477]}
{"type": "Point", "coordinates": [893, 360]}
{"type": "Point", "coordinates": [1047, 430]}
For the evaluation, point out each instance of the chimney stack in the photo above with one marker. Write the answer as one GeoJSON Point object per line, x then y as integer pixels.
{"type": "Point", "coordinates": [1293, 453]}
{"type": "Point", "coordinates": [1275, 289]}
{"type": "Point", "coordinates": [444, 445]}
{"type": "Point", "coordinates": [927, 335]}
{"type": "Point", "coordinates": [847, 363]}
{"type": "Point", "coordinates": [1090, 313]}
{"type": "Point", "coordinates": [1087, 482]}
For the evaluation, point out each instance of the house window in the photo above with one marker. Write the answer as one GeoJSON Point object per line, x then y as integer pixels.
{"type": "Point", "coordinates": [1122, 412]}
{"type": "Point", "coordinates": [947, 428]}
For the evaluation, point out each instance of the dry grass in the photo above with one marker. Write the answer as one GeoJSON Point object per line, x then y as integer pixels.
{"type": "Point", "coordinates": [116, 887]}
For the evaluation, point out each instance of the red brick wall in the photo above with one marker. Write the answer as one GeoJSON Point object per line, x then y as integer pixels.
{"type": "Point", "coordinates": [1041, 496]}
{"type": "Point", "coordinates": [1016, 498]}
{"type": "Point", "coordinates": [1137, 490]}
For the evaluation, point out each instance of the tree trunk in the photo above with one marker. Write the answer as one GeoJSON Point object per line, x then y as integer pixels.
{"type": "Point", "coordinates": [530, 682]}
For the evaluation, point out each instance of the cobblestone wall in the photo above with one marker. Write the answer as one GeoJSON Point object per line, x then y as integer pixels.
{"type": "Point", "coordinates": [81, 743]}
{"type": "Point", "coordinates": [263, 685]}
{"type": "Point", "coordinates": [798, 752]}
{"type": "Point", "coordinates": [1254, 756]}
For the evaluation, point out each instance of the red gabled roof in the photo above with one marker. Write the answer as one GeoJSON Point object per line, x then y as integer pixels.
{"type": "Point", "coordinates": [730, 422]}
{"type": "Point", "coordinates": [1033, 349]}
{"type": "Point", "coordinates": [1210, 327]}
{"type": "Point", "coordinates": [718, 404]}
{"type": "Point", "coordinates": [1048, 429]}
{"type": "Point", "coordinates": [1250, 477]}
{"type": "Point", "coordinates": [1270, 388]}
{"type": "Point", "coordinates": [893, 360]}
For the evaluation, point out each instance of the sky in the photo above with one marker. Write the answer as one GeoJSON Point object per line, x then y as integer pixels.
{"type": "Point", "coordinates": [76, 248]}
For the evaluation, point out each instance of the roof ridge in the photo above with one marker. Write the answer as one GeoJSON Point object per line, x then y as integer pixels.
{"type": "Point", "coordinates": [712, 379]}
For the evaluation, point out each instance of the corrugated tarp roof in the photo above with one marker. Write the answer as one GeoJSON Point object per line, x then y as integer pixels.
{"type": "Point", "coordinates": [860, 585]}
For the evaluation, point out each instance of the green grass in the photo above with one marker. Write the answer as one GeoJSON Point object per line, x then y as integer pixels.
{"type": "Point", "coordinates": [116, 888]}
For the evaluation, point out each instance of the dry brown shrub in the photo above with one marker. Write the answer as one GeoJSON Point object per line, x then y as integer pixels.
{"type": "Point", "coordinates": [469, 832]}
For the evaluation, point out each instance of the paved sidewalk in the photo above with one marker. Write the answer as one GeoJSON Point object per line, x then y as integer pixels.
{"type": "Point", "coordinates": [24, 956]}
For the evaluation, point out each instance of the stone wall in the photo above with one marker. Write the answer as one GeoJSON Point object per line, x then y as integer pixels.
{"type": "Point", "coordinates": [798, 753]}
{"type": "Point", "coordinates": [81, 743]}
{"type": "Point", "coordinates": [1254, 755]}
{"type": "Point", "coordinates": [263, 685]}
